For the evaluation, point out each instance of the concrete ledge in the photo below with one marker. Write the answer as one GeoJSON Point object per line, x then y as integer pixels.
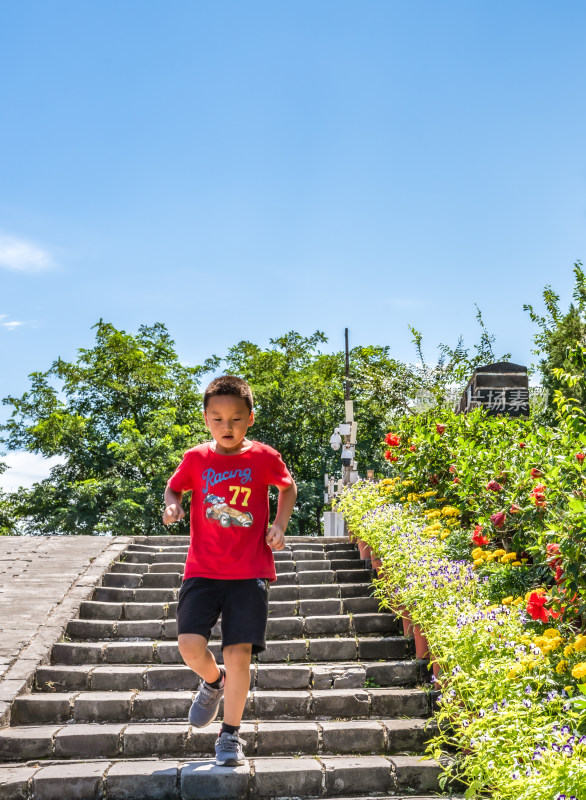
{"type": "Point", "coordinates": [43, 581]}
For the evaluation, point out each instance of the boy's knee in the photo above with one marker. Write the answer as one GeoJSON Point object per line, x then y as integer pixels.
{"type": "Point", "coordinates": [238, 652]}
{"type": "Point", "coordinates": [192, 646]}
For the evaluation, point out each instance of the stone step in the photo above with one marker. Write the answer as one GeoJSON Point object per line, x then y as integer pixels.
{"type": "Point", "coordinates": [375, 674]}
{"type": "Point", "coordinates": [126, 706]}
{"type": "Point", "coordinates": [278, 627]}
{"type": "Point", "coordinates": [259, 777]}
{"type": "Point", "coordinates": [180, 740]}
{"type": "Point", "coordinates": [173, 580]}
{"type": "Point", "coordinates": [93, 609]}
{"type": "Point", "coordinates": [387, 648]}
{"type": "Point", "coordinates": [111, 594]}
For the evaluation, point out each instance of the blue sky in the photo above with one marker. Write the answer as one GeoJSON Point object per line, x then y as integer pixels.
{"type": "Point", "coordinates": [240, 169]}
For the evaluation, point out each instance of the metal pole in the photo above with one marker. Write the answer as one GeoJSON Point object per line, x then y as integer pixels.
{"type": "Point", "coordinates": [347, 396]}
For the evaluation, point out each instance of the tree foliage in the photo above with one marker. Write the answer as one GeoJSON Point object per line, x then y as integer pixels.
{"type": "Point", "coordinates": [120, 417]}
{"type": "Point", "coordinates": [558, 334]}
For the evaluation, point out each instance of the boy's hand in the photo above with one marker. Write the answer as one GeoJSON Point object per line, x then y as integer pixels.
{"type": "Point", "coordinates": [275, 537]}
{"type": "Point", "coordinates": [173, 513]}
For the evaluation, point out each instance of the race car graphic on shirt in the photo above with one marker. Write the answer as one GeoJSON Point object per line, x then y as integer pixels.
{"type": "Point", "coordinates": [226, 515]}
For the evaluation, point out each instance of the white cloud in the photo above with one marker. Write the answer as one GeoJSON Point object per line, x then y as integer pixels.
{"type": "Point", "coordinates": [10, 324]}
{"type": "Point", "coordinates": [22, 256]}
{"type": "Point", "coordinates": [25, 469]}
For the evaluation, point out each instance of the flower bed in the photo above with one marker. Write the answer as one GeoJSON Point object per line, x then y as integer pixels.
{"type": "Point", "coordinates": [512, 707]}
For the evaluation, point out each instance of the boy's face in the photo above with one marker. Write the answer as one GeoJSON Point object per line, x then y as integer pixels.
{"type": "Point", "coordinates": [228, 420]}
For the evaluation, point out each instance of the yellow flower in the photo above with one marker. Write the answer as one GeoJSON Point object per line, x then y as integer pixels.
{"type": "Point", "coordinates": [561, 667]}
{"type": "Point", "coordinates": [450, 511]}
{"type": "Point", "coordinates": [499, 552]}
{"type": "Point", "coordinates": [477, 552]}
{"type": "Point", "coordinates": [524, 560]}
{"type": "Point", "coordinates": [508, 557]}
{"type": "Point", "coordinates": [515, 671]}
{"type": "Point", "coordinates": [507, 600]}
{"type": "Point", "coordinates": [551, 633]}
{"type": "Point", "coordinates": [444, 535]}
{"type": "Point", "coordinates": [407, 483]}
{"type": "Point", "coordinates": [478, 562]}
{"type": "Point", "coordinates": [516, 564]}
{"type": "Point", "coordinates": [580, 643]}
{"type": "Point", "coordinates": [568, 650]}
{"type": "Point", "coordinates": [579, 670]}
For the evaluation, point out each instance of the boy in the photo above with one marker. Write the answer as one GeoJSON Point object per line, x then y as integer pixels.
{"type": "Point", "coordinates": [229, 563]}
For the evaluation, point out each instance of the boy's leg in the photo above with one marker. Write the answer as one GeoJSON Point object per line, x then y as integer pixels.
{"type": "Point", "coordinates": [198, 657]}
{"type": "Point", "coordinates": [237, 662]}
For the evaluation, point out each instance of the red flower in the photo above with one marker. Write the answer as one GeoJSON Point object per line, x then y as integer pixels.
{"type": "Point", "coordinates": [434, 480]}
{"type": "Point", "coordinates": [538, 495]}
{"type": "Point", "coordinates": [559, 574]}
{"type": "Point", "coordinates": [392, 440]}
{"type": "Point", "coordinates": [498, 519]}
{"type": "Point", "coordinates": [388, 455]}
{"type": "Point", "coordinates": [522, 445]}
{"type": "Point", "coordinates": [456, 480]}
{"type": "Point", "coordinates": [413, 448]}
{"type": "Point", "coordinates": [452, 470]}
{"type": "Point", "coordinates": [393, 458]}
{"type": "Point", "coordinates": [536, 473]}
{"type": "Point", "coordinates": [580, 457]}
{"type": "Point", "coordinates": [494, 486]}
{"type": "Point", "coordinates": [539, 489]}
{"type": "Point", "coordinates": [478, 537]}
{"type": "Point", "coordinates": [553, 555]}
{"type": "Point", "coordinates": [536, 607]}
{"type": "Point", "coordinates": [440, 428]}
{"type": "Point", "coordinates": [514, 508]}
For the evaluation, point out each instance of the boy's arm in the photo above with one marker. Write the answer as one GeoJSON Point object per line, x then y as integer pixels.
{"type": "Point", "coordinates": [276, 533]}
{"type": "Point", "coordinates": [173, 510]}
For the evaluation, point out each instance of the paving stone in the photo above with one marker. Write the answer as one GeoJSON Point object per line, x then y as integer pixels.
{"type": "Point", "coordinates": [323, 606]}
{"type": "Point", "coordinates": [276, 738]}
{"type": "Point", "coordinates": [131, 629]}
{"type": "Point", "coordinates": [311, 565]}
{"type": "Point", "coordinates": [161, 705]}
{"type": "Point", "coordinates": [88, 741]}
{"type": "Point", "coordinates": [143, 611]}
{"type": "Point", "coordinates": [388, 647]}
{"type": "Point", "coordinates": [162, 580]}
{"type": "Point", "coordinates": [283, 677]}
{"type": "Point", "coordinates": [406, 735]}
{"type": "Point", "coordinates": [393, 673]}
{"type": "Point", "coordinates": [168, 653]}
{"type": "Point", "coordinates": [332, 649]}
{"type": "Point", "coordinates": [171, 677]}
{"type": "Point", "coordinates": [122, 580]}
{"type": "Point", "coordinates": [350, 678]}
{"type": "Point", "coordinates": [360, 605]}
{"type": "Point", "coordinates": [122, 566]}
{"type": "Point", "coordinates": [350, 775]}
{"type": "Point", "coordinates": [120, 678]}
{"type": "Point", "coordinates": [284, 627]}
{"type": "Point", "coordinates": [156, 739]}
{"type": "Point", "coordinates": [355, 589]}
{"type": "Point", "coordinates": [90, 609]}
{"type": "Point", "coordinates": [69, 781]}
{"type": "Point", "coordinates": [291, 650]}
{"type": "Point", "coordinates": [415, 773]}
{"type": "Point", "coordinates": [316, 576]}
{"type": "Point", "coordinates": [317, 591]}
{"type": "Point", "coordinates": [340, 703]}
{"type": "Point", "coordinates": [110, 594]}
{"type": "Point", "coordinates": [282, 593]}
{"type": "Point", "coordinates": [322, 676]}
{"type": "Point", "coordinates": [35, 709]}
{"type": "Point", "coordinates": [375, 623]}
{"type": "Point", "coordinates": [62, 678]}
{"type": "Point", "coordinates": [170, 629]}
{"type": "Point", "coordinates": [204, 779]}
{"type": "Point", "coordinates": [26, 743]}
{"type": "Point", "coordinates": [399, 702]}
{"type": "Point", "coordinates": [285, 579]}
{"type": "Point", "coordinates": [14, 782]}
{"type": "Point", "coordinates": [281, 704]}
{"type": "Point", "coordinates": [353, 575]}
{"type": "Point", "coordinates": [287, 777]}
{"type": "Point", "coordinates": [91, 629]}
{"type": "Point", "coordinates": [74, 653]}
{"type": "Point", "coordinates": [128, 652]}
{"type": "Point", "coordinates": [282, 608]}
{"type": "Point", "coordinates": [102, 706]}
{"type": "Point", "coordinates": [352, 737]}
{"type": "Point", "coordinates": [155, 780]}
{"type": "Point", "coordinates": [137, 557]}
{"type": "Point", "coordinates": [164, 595]}
{"type": "Point", "coordinates": [308, 554]}
{"type": "Point", "coordinates": [339, 623]}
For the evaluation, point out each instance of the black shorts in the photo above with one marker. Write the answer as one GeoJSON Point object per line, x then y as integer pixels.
{"type": "Point", "coordinates": [243, 604]}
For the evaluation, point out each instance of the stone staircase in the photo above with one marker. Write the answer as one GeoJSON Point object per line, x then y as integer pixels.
{"type": "Point", "coordinates": [335, 708]}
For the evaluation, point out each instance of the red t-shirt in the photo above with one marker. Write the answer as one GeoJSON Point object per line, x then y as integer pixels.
{"type": "Point", "coordinates": [230, 510]}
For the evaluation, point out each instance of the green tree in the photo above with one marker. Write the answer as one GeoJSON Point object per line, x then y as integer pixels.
{"type": "Point", "coordinates": [7, 517]}
{"type": "Point", "coordinates": [559, 333]}
{"type": "Point", "coordinates": [120, 416]}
